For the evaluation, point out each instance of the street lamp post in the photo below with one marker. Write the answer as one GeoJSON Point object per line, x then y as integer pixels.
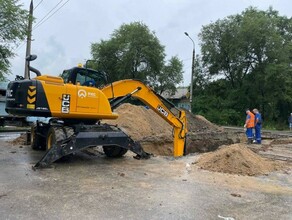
{"type": "Point", "coordinates": [193, 70]}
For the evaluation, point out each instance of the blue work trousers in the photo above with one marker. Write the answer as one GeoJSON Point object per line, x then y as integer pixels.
{"type": "Point", "coordinates": [249, 133]}
{"type": "Point", "coordinates": [258, 136]}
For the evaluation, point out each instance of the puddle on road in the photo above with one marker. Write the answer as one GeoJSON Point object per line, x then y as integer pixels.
{"type": "Point", "coordinates": [9, 136]}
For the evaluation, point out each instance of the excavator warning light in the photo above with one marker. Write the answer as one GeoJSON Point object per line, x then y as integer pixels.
{"type": "Point", "coordinates": [79, 65]}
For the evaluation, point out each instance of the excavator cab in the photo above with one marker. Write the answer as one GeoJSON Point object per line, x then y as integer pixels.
{"type": "Point", "coordinates": [85, 77]}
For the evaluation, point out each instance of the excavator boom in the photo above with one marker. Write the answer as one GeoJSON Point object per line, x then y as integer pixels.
{"type": "Point", "coordinates": [139, 90]}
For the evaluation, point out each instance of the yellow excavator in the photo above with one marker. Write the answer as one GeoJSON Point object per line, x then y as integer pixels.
{"type": "Point", "coordinates": [75, 104]}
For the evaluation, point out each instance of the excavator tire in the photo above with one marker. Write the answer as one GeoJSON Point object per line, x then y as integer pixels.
{"type": "Point", "coordinates": [114, 151]}
{"type": "Point", "coordinates": [56, 134]}
{"type": "Point", "coordinates": [37, 141]}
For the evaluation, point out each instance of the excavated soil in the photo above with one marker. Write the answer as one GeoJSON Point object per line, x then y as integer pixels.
{"type": "Point", "coordinates": [21, 140]}
{"type": "Point", "coordinates": [140, 122]}
{"type": "Point", "coordinates": [144, 125]}
{"type": "Point", "coordinates": [155, 134]}
{"type": "Point", "coordinates": [237, 159]}
{"type": "Point", "coordinates": [282, 141]}
{"type": "Point", "coordinates": [198, 123]}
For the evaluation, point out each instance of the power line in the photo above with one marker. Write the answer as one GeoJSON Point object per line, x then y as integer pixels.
{"type": "Point", "coordinates": [19, 46]}
{"type": "Point", "coordinates": [38, 5]}
{"type": "Point", "coordinates": [44, 19]}
{"type": "Point", "coordinates": [50, 13]}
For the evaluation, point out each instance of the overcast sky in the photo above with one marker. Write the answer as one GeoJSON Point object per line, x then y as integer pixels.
{"type": "Point", "coordinates": [64, 39]}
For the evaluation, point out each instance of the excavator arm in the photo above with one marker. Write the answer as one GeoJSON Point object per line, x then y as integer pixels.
{"type": "Point", "coordinates": [137, 89]}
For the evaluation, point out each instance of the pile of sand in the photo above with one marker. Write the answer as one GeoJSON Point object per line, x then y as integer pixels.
{"type": "Point", "coordinates": [282, 141]}
{"type": "Point", "coordinates": [198, 123]}
{"type": "Point", "coordinates": [140, 122]}
{"type": "Point", "coordinates": [237, 159]}
{"type": "Point", "coordinates": [21, 140]}
{"type": "Point", "coordinates": [153, 132]}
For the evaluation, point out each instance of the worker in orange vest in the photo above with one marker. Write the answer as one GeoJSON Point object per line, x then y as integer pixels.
{"type": "Point", "coordinates": [249, 125]}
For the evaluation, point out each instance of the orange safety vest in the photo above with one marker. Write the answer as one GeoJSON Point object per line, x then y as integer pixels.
{"type": "Point", "coordinates": [250, 121]}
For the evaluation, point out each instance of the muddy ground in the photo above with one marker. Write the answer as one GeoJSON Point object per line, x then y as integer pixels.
{"type": "Point", "coordinates": [94, 187]}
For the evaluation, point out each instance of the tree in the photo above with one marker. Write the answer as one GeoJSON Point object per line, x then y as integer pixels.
{"type": "Point", "coordinates": [13, 25]}
{"type": "Point", "coordinates": [252, 52]}
{"type": "Point", "coordinates": [201, 80]}
{"type": "Point", "coordinates": [169, 77]}
{"type": "Point", "coordinates": [135, 52]}
{"type": "Point", "coordinates": [222, 50]}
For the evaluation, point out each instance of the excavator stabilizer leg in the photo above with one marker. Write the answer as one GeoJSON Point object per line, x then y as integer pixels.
{"type": "Point", "coordinates": [89, 138]}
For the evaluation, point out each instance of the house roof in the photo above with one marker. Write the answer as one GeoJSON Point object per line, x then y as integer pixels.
{"type": "Point", "coordinates": [179, 94]}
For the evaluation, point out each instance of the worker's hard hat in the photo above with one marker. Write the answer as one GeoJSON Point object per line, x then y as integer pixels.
{"type": "Point", "coordinates": [79, 65]}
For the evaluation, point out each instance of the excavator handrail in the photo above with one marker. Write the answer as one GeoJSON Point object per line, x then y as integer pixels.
{"type": "Point", "coordinates": [149, 97]}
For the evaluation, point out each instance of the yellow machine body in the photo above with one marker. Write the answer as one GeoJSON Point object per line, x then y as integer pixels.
{"type": "Point", "coordinates": [71, 98]}
{"type": "Point", "coordinates": [82, 102]}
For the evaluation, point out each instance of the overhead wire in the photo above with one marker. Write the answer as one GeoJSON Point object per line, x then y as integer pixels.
{"type": "Point", "coordinates": [47, 15]}
{"type": "Point", "coordinates": [20, 46]}
{"type": "Point", "coordinates": [40, 23]}
{"type": "Point", "coordinates": [44, 19]}
{"type": "Point", "coordinates": [37, 5]}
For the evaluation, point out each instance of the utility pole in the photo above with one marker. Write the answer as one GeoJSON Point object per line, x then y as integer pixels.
{"type": "Point", "coordinates": [28, 40]}
{"type": "Point", "coordinates": [193, 71]}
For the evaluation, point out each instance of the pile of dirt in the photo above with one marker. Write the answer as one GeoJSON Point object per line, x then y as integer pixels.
{"type": "Point", "coordinates": [140, 122]}
{"type": "Point", "coordinates": [155, 134]}
{"type": "Point", "coordinates": [202, 142]}
{"type": "Point", "coordinates": [198, 123]}
{"type": "Point", "coordinates": [282, 141]}
{"type": "Point", "coordinates": [237, 159]}
{"type": "Point", "coordinates": [21, 140]}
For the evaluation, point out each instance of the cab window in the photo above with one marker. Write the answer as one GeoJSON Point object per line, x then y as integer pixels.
{"type": "Point", "coordinates": [84, 79]}
{"type": "Point", "coordinates": [65, 75]}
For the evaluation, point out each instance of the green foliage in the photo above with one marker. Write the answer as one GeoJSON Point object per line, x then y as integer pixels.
{"type": "Point", "coordinates": [169, 77]}
{"type": "Point", "coordinates": [135, 52]}
{"type": "Point", "coordinates": [12, 29]}
{"type": "Point", "coordinates": [248, 59]}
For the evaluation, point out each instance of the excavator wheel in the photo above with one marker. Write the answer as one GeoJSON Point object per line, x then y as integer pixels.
{"type": "Point", "coordinates": [114, 151]}
{"type": "Point", "coordinates": [56, 134]}
{"type": "Point", "coordinates": [37, 141]}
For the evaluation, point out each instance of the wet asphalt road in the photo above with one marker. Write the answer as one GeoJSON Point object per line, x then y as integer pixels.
{"type": "Point", "coordinates": [95, 187]}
